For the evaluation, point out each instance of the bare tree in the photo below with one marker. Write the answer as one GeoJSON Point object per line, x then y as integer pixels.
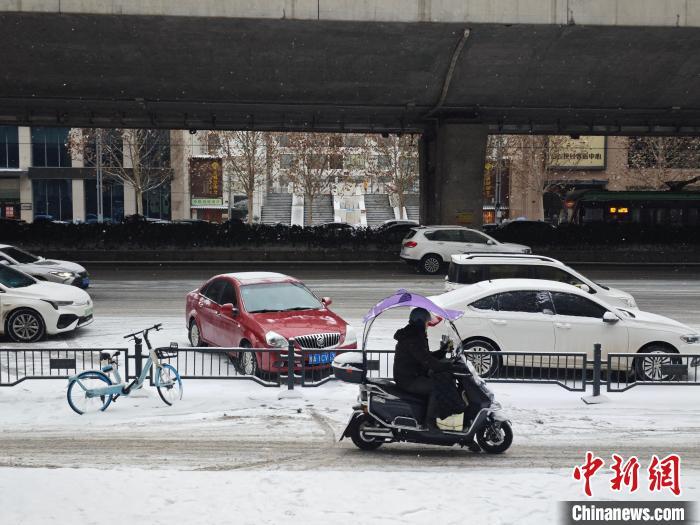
{"type": "Point", "coordinates": [531, 171]}
{"type": "Point", "coordinates": [397, 160]}
{"type": "Point", "coordinates": [661, 162]}
{"type": "Point", "coordinates": [138, 157]}
{"type": "Point", "coordinates": [312, 170]}
{"type": "Point", "coordinates": [245, 155]}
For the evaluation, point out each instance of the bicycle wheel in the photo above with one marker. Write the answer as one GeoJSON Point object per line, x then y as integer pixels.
{"type": "Point", "coordinates": [168, 384]}
{"type": "Point", "coordinates": [78, 395]}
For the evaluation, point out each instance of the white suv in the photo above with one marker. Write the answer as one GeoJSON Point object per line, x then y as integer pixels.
{"type": "Point", "coordinates": [474, 268]}
{"type": "Point", "coordinates": [430, 247]}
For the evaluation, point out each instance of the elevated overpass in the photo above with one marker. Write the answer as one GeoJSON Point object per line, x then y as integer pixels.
{"type": "Point", "coordinates": [453, 70]}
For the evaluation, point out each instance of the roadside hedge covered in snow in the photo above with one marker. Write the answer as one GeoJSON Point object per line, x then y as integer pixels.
{"type": "Point", "coordinates": [147, 235]}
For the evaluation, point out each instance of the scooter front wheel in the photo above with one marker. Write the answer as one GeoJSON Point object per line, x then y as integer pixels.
{"type": "Point", "coordinates": [358, 437]}
{"type": "Point", "coordinates": [495, 439]}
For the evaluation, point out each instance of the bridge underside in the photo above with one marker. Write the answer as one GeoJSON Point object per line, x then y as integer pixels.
{"type": "Point", "coordinates": [139, 71]}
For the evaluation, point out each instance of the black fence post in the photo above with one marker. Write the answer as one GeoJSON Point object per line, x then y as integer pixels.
{"type": "Point", "coordinates": [290, 365]}
{"type": "Point", "coordinates": [596, 369]}
{"type": "Point", "coordinates": [139, 362]}
{"type": "Point", "coordinates": [597, 366]}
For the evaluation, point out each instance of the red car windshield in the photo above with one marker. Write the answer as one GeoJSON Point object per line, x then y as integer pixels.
{"type": "Point", "coordinates": [278, 297]}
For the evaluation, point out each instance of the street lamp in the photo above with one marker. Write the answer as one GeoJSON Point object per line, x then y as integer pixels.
{"type": "Point", "coordinates": [98, 165]}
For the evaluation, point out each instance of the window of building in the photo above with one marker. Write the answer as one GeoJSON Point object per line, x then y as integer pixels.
{"type": "Point", "coordinates": [408, 164]}
{"type": "Point", "coordinates": [155, 147]}
{"type": "Point", "coordinates": [156, 203]}
{"type": "Point", "coordinates": [53, 199]}
{"type": "Point", "coordinates": [336, 162]}
{"type": "Point", "coordinates": [286, 161]}
{"type": "Point", "coordinates": [383, 162]}
{"type": "Point", "coordinates": [355, 162]}
{"type": "Point", "coordinates": [213, 144]}
{"type": "Point", "coordinates": [9, 147]}
{"type": "Point", "coordinates": [283, 141]}
{"type": "Point", "coordinates": [50, 148]}
{"type": "Point", "coordinates": [112, 147]}
{"type": "Point", "coordinates": [112, 200]}
{"type": "Point", "coordinates": [353, 141]}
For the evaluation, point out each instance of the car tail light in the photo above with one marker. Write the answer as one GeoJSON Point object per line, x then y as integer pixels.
{"type": "Point", "coordinates": [410, 244]}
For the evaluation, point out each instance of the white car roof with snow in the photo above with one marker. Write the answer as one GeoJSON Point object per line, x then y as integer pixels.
{"type": "Point", "coordinates": [249, 277]}
{"type": "Point", "coordinates": [502, 285]}
{"type": "Point", "coordinates": [502, 258]}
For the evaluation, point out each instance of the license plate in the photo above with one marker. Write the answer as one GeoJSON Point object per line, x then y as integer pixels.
{"type": "Point", "coordinates": [321, 359]}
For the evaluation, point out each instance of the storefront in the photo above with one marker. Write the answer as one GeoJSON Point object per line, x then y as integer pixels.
{"type": "Point", "coordinates": [53, 199]}
{"type": "Point", "coordinates": [9, 197]}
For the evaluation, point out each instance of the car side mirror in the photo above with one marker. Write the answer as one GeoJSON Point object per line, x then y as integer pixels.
{"type": "Point", "coordinates": [327, 301]}
{"type": "Point", "coordinates": [5, 262]}
{"type": "Point", "coordinates": [609, 317]}
{"type": "Point", "coordinates": [584, 287]}
{"type": "Point", "coordinates": [229, 310]}
{"type": "Point", "coordinates": [490, 242]}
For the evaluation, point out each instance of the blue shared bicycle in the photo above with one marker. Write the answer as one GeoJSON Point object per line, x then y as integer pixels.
{"type": "Point", "coordinates": [94, 390]}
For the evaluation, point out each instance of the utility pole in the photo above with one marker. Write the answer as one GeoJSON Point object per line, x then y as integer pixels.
{"type": "Point", "coordinates": [98, 164]}
{"type": "Point", "coordinates": [497, 199]}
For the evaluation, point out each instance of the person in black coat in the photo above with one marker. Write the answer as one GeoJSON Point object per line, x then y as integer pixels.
{"type": "Point", "coordinates": [414, 362]}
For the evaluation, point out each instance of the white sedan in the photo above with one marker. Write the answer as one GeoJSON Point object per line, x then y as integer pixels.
{"type": "Point", "coordinates": [31, 309]}
{"type": "Point", "coordinates": [529, 315]}
{"type": "Point", "coordinates": [64, 272]}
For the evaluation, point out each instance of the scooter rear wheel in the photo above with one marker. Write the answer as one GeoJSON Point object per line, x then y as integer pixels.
{"type": "Point", "coordinates": [495, 440]}
{"type": "Point", "coordinates": [357, 434]}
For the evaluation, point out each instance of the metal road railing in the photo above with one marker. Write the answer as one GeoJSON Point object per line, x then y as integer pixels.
{"type": "Point", "coordinates": [625, 371]}
{"type": "Point", "coordinates": [310, 368]}
{"type": "Point", "coordinates": [17, 365]}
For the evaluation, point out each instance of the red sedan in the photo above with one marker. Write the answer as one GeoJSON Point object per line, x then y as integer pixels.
{"type": "Point", "coordinates": [265, 310]}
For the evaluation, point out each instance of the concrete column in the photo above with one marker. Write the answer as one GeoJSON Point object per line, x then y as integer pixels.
{"type": "Point", "coordinates": [26, 199]}
{"type": "Point", "coordinates": [129, 199]}
{"type": "Point", "coordinates": [181, 145]}
{"type": "Point", "coordinates": [78, 198]}
{"type": "Point", "coordinates": [452, 160]}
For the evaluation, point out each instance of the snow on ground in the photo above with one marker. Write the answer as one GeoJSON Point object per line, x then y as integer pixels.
{"type": "Point", "coordinates": [88, 496]}
{"type": "Point", "coordinates": [232, 451]}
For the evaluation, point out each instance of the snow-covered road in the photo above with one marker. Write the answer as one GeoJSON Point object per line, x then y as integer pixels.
{"type": "Point", "coordinates": [231, 451]}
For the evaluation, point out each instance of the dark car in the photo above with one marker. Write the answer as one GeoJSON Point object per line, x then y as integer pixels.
{"type": "Point", "coordinates": [524, 231]}
{"type": "Point", "coordinates": [396, 231]}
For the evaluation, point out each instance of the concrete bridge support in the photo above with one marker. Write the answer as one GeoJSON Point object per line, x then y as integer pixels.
{"type": "Point", "coordinates": [452, 160]}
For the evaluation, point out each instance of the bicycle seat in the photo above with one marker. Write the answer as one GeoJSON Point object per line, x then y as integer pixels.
{"type": "Point", "coordinates": [109, 354]}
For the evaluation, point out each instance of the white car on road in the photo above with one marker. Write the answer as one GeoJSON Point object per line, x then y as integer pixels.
{"type": "Point", "coordinates": [52, 270]}
{"type": "Point", "coordinates": [431, 247]}
{"type": "Point", "coordinates": [468, 269]}
{"type": "Point", "coordinates": [530, 315]}
{"type": "Point", "coordinates": [31, 309]}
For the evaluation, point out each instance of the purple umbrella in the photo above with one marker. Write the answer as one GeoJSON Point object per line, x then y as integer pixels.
{"type": "Point", "coordinates": [405, 298]}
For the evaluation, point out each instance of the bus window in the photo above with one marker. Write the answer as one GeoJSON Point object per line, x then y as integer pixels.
{"type": "Point", "coordinates": [676, 216]}
{"type": "Point", "coordinates": [592, 215]}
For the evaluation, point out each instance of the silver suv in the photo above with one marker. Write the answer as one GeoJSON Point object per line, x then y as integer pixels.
{"type": "Point", "coordinates": [431, 247]}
